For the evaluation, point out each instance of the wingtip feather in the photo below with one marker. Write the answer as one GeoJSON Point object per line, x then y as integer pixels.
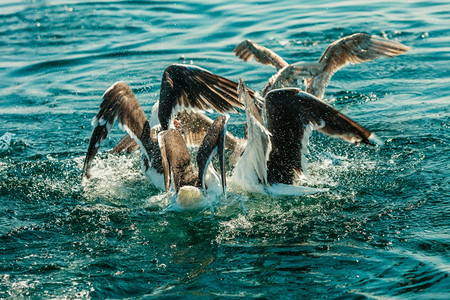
{"type": "Point", "coordinates": [375, 140]}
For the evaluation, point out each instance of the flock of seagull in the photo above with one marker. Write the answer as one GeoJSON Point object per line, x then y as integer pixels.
{"type": "Point", "coordinates": [279, 121]}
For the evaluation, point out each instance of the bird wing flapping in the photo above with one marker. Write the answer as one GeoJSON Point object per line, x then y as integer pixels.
{"type": "Point", "coordinates": [119, 103]}
{"type": "Point", "coordinates": [248, 49]}
{"type": "Point", "coordinates": [354, 49]}
{"type": "Point", "coordinates": [194, 88]}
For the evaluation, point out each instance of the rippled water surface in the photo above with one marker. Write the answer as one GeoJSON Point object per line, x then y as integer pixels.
{"type": "Point", "coordinates": [381, 230]}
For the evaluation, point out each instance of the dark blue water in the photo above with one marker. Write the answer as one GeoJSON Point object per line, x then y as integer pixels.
{"type": "Point", "coordinates": [382, 230]}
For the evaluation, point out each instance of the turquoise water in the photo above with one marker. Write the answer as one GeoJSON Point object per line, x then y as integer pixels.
{"type": "Point", "coordinates": [382, 230]}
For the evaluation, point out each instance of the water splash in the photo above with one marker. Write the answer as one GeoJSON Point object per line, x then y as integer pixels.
{"type": "Point", "coordinates": [116, 179]}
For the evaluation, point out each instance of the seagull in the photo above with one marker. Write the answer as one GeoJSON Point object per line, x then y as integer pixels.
{"type": "Point", "coordinates": [274, 156]}
{"type": "Point", "coordinates": [186, 87]}
{"type": "Point", "coordinates": [354, 49]}
{"type": "Point", "coordinates": [191, 188]}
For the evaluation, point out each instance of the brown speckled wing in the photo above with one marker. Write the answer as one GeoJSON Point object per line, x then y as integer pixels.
{"type": "Point", "coordinates": [119, 103]}
{"type": "Point", "coordinates": [355, 49]}
{"type": "Point", "coordinates": [248, 49]}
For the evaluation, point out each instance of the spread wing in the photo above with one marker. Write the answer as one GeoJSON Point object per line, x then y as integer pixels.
{"type": "Point", "coordinates": [248, 49]}
{"type": "Point", "coordinates": [354, 49]}
{"type": "Point", "coordinates": [194, 88]}
{"type": "Point", "coordinates": [291, 116]}
{"type": "Point", "coordinates": [119, 103]}
{"type": "Point", "coordinates": [332, 122]}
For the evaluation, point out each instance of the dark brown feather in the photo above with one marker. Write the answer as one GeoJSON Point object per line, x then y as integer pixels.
{"type": "Point", "coordinates": [289, 111]}
{"type": "Point", "coordinates": [176, 160]}
{"type": "Point", "coordinates": [214, 139]}
{"type": "Point", "coordinates": [118, 103]}
{"type": "Point", "coordinates": [195, 88]}
{"type": "Point", "coordinates": [248, 49]}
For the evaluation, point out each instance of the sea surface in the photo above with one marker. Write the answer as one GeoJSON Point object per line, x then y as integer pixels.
{"type": "Point", "coordinates": [381, 230]}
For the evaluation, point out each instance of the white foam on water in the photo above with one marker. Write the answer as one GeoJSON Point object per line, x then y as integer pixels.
{"type": "Point", "coordinates": [5, 141]}
{"type": "Point", "coordinates": [116, 178]}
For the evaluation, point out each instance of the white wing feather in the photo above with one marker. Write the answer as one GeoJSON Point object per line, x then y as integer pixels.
{"type": "Point", "coordinates": [251, 168]}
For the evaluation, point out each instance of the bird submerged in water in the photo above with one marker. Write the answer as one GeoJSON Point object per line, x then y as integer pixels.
{"type": "Point", "coordinates": [354, 49]}
{"type": "Point", "coordinates": [182, 87]}
{"type": "Point", "coordinates": [191, 188]}
{"type": "Point", "coordinates": [274, 155]}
